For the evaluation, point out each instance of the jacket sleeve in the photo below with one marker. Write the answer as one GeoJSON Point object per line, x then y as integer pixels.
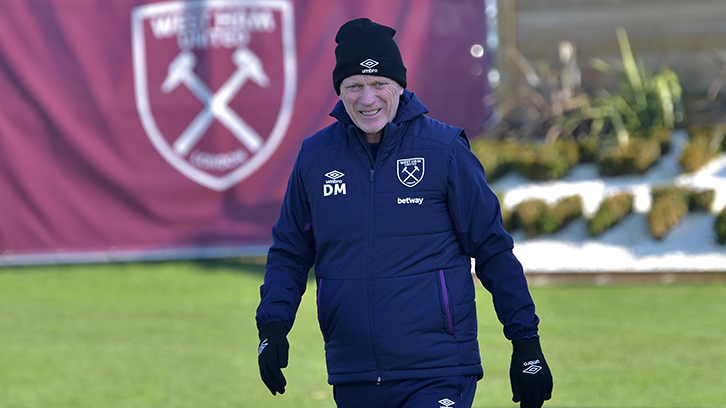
{"type": "Point", "coordinates": [290, 257]}
{"type": "Point", "coordinates": [477, 219]}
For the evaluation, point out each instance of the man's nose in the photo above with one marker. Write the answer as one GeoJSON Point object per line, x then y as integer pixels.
{"type": "Point", "coordinates": [368, 95]}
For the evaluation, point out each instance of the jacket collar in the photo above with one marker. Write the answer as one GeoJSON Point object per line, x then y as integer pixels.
{"type": "Point", "coordinates": [409, 108]}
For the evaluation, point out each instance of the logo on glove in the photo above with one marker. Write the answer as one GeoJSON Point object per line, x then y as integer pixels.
{"type": "Point", "coordinates": [262, 347]}
{"type": "Point", "coordinates": [532, 367]}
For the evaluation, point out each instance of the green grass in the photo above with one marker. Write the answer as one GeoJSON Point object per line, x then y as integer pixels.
{"type": "Point", "coordinates": [182, 334]}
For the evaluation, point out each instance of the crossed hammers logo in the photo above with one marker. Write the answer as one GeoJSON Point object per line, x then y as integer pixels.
{"type": "Point", "coordinates": [216, 105]}
{"type": "Point", "coordinates": [410, 171]}
{"type": "Point", "coordinates": [410, 174]}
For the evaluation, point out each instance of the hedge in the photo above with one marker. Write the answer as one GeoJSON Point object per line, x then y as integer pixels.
{"type": "Point", "coordinates": [612, 209]}
{"type": "Point", "coordinates": [699, 150]}
{"type": "Point", "coordinates": [720, 226]}
{"type": "Point", "coordinates": [639, 155]}
{"type": "Point", "coordinates": [535, 217]}
{"type": "Point", "coordinates": [670, 204]}
{"type": "Point", "coordinates": [534, 161]}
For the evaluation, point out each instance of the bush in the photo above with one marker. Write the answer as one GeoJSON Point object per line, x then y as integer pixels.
{"type": "Point", "coordinates": [669, 206]}
{"type": "Point", "coordinates": [662, 135]}
{"type": "Point", "coordinates": [642, 100]}
{"type": "Point", "coordinates": [720, 227]}
{"type": "Point", "coordinates": [700, 149]}
{"type": "Point", "coordinates": [535, 217]}
{"type": "Point", "coordinates": [506, 213]}
{"type": "Point", "coordinates": [547, 161]}
{"type": "Point", "coordinates": [695, 155]}
{"type": "Point", "coordinates": [636, 157]}
{"type": "Point", "coordinates": [495, 156]}
{"type": "Point", "coordinates": [563, 212]}
{"type": "Point", "coordinates": [709, 132]}
{"type": "Point", "coordinates": [588, 147]}
{"type": "Point", "coordinates": [526, 216]}
{"type": "Point", "coordinates": [534, 161]}
{"type": "Point", "coordinates": [701, 200]}
{"type": "Point", "coordinates": [612, 209]}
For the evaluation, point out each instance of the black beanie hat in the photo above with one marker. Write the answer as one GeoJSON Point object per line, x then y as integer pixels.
{"type": "Point", "coordinates": [368, 48]}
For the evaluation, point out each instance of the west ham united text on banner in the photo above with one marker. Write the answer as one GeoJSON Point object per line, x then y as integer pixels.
{"type": "Point", "coordinates": [143, 130]}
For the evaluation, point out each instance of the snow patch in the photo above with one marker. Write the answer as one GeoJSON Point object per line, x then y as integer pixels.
{"type": "Point", "coordinates": [628, 246]}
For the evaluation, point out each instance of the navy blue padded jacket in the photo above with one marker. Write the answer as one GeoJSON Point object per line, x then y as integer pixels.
{"type": "Point", "coordinates": [391, 239]}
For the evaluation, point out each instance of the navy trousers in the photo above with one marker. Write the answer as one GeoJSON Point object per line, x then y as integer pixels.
{"type": "Point", "coordinates": [445, 392]}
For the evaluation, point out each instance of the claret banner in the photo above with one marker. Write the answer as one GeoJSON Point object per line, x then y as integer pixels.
{"type": "Point", "coordinates": [152, 130]}
{"type": "Point", "coordinates": [247, 55]}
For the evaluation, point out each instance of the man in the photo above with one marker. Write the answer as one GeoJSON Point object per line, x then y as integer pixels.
{"type": "Point", "coordinates": [390, 206]}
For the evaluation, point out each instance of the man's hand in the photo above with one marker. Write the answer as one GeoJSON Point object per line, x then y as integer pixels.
{"type": "Point", "coordinates": [529, 373]}
{"type": "Point", "coordinates": [272, 355]}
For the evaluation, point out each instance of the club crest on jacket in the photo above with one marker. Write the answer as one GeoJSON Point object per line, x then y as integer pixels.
{"type": "Point", "coordinates": [410, 171]}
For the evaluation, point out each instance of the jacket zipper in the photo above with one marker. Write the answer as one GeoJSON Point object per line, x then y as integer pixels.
{"type": "Point", "coordinates": [369, 275]}
{"type": "Point", "coordinates": [447, 307]}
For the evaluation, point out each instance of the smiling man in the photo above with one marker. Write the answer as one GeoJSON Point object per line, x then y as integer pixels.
{"type": "Point", "coordinates": [371, 102]}
{"type": "Point", "coordinates": [390, 206]}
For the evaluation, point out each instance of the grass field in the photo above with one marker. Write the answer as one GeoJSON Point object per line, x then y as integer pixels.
{"type": "Point", "coordinates": [182, 334]}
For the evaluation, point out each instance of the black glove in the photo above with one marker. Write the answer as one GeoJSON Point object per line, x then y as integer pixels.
{"type": "Point", "coordinates": [272, 355]}
{"type": "Point", "coordinates": [530, 376]}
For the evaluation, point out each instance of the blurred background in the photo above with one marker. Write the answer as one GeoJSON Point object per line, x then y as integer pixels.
{"type": "Point", "coordinates": [111, 150]}
{"type": "Point", "coordinates": [145, 148]}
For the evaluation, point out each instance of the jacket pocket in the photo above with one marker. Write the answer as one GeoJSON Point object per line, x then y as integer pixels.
{"type": "Point", "coordinates": [320, 317]}
{"type": "Point", "coordinates": [446, 302]}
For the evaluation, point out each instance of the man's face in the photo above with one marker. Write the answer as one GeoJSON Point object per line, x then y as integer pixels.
{"type": "Point", "coordinates": [371, 101]}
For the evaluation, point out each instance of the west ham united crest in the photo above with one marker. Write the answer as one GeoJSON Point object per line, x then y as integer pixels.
{"type": "Point", "coordinates": [410, 171]}
{"type": "Point", "coordinates": [215, 83]}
